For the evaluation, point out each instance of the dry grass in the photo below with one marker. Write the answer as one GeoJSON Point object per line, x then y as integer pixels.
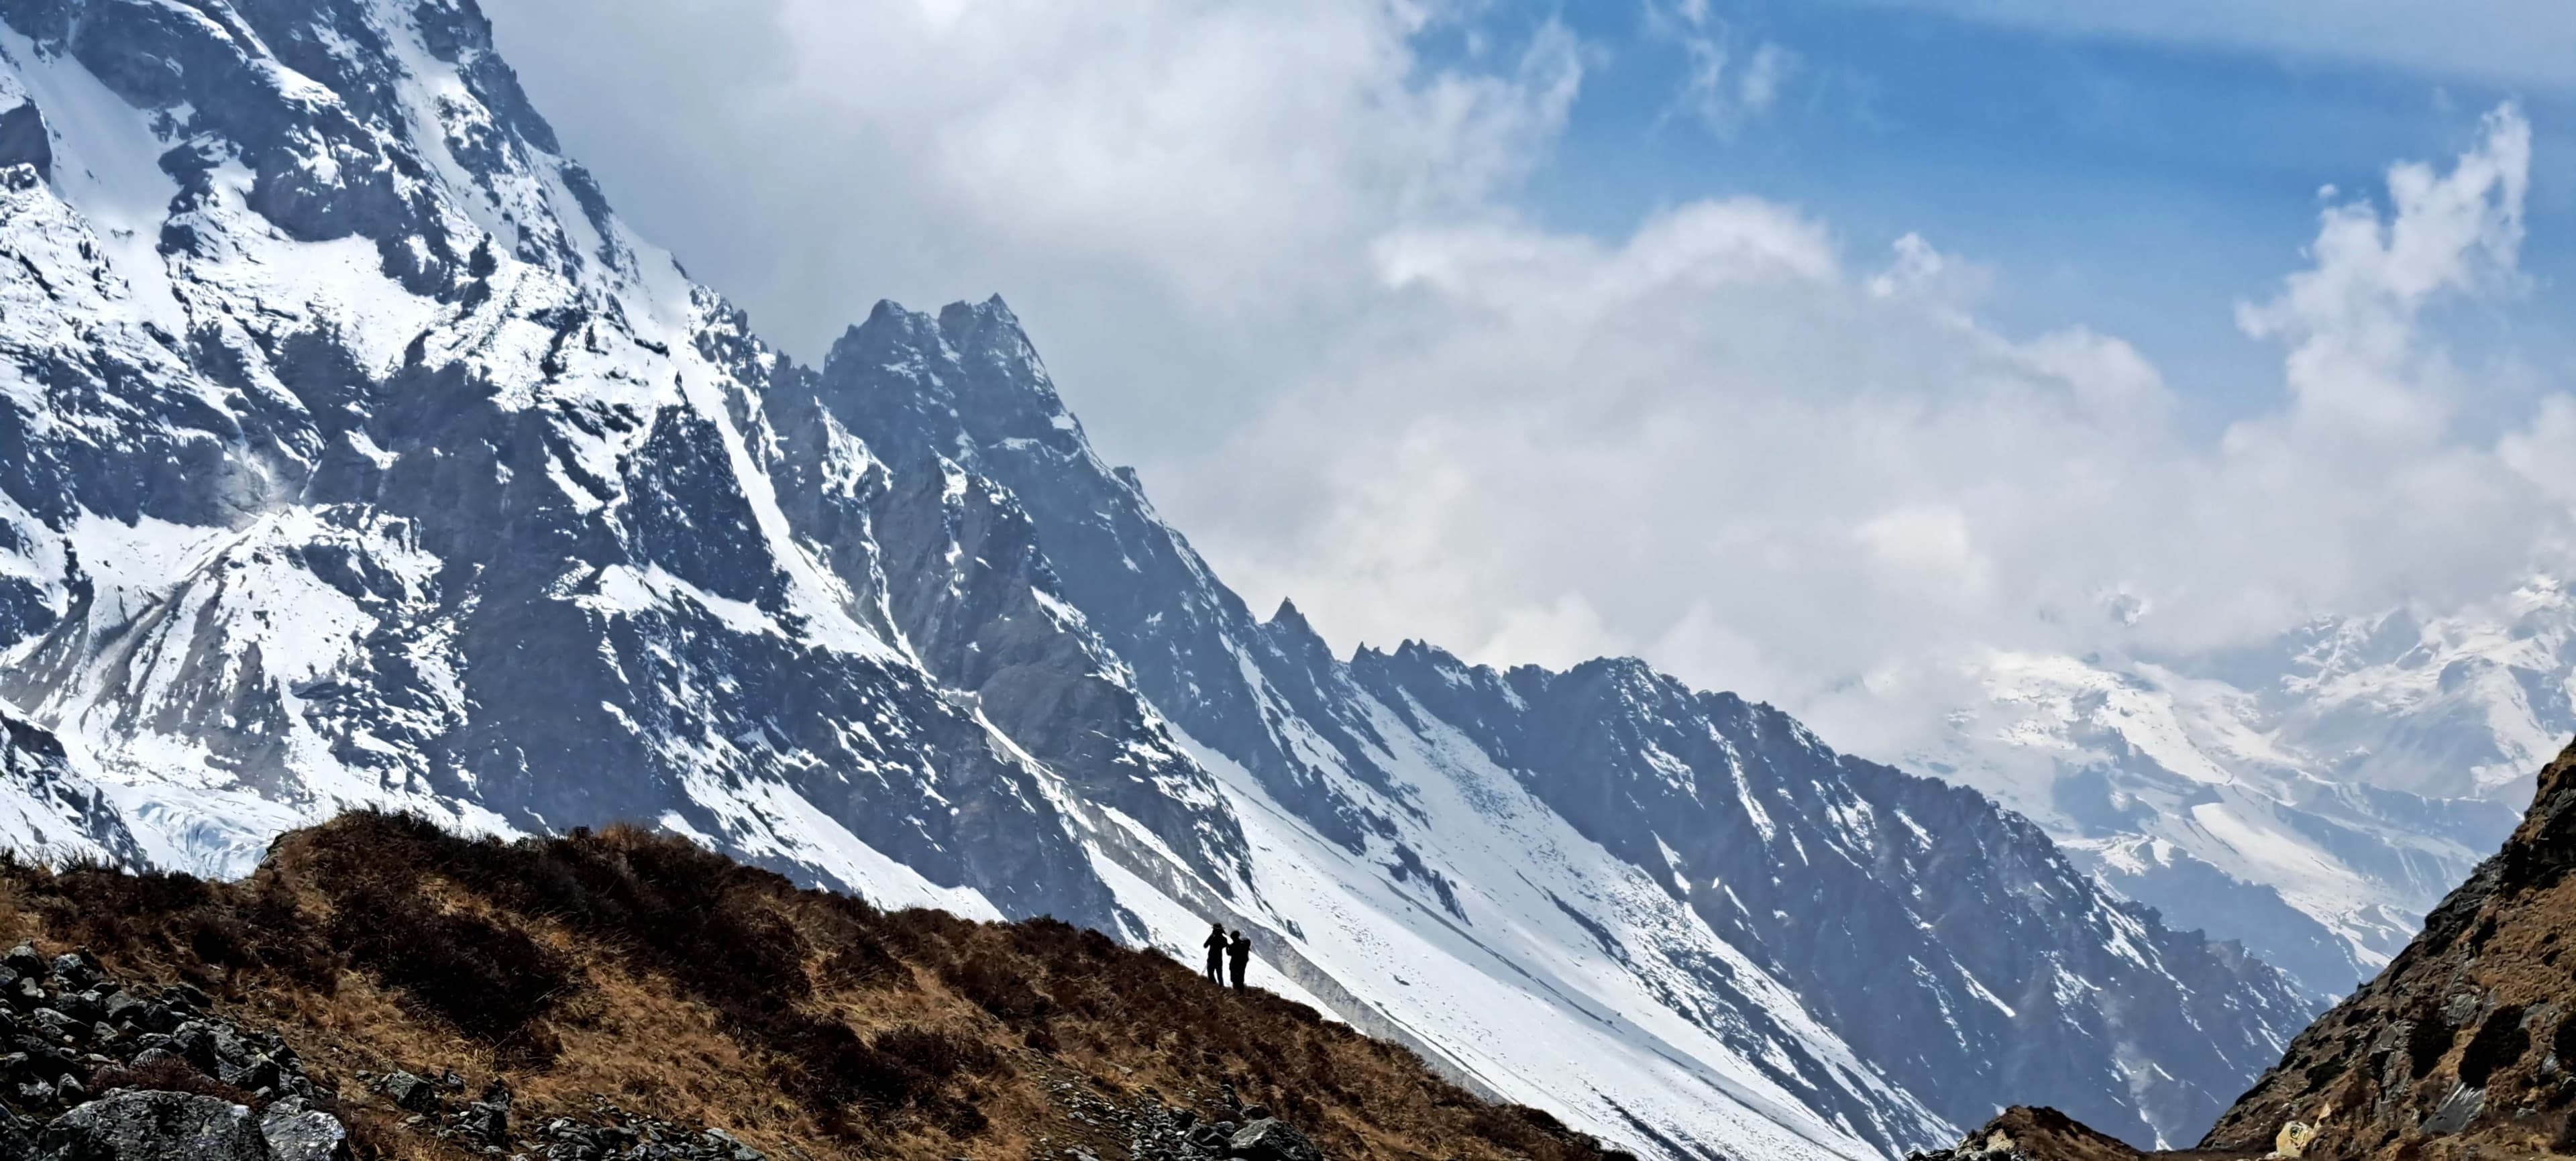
{"type": "Point", "coordinates": [687, 987]}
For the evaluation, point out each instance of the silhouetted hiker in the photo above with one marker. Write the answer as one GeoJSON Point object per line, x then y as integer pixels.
{"type": "Point", "coordinates": [1215, 944]}
{"type": "Point", "coordinates": [1239, 953]}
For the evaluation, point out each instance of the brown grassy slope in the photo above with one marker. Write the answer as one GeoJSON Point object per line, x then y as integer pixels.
{"type": "Point", "coordinates": [2466, 1044]}
{"type": "Point", "coordinates": [684, 986]}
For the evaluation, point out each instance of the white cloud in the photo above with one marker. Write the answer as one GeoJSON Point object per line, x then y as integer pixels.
{"type": "Point", "coordinates": [1715, 444]}
{"type": "Point", "coordinates": [1540, 278]}
{"type": "Point", "coordinates": [1561, 633]}
{"type": "Point", "coordinates": [2545, 453]}
{"type": "Point", "coordinates": [1210, 147]}
{"type": "Point", "coordinates": [1926, 553]}
{"type": "Point", "coordinates": [1723, 84]}
{"type": "Point", "coordinates": [2351, 318]}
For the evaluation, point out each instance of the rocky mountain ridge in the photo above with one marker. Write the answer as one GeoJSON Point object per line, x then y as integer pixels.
{"type": "Point", "coordinates": [355, 454]}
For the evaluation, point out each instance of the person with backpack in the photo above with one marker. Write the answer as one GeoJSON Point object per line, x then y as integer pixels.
{"type": "Point", "coordinates": [1239, 954]}
{"type": "Point", "coordinates": [1216, 945]}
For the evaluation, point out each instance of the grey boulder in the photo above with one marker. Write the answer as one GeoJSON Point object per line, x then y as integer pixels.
{"type": "Point", "coordinates": [155, 1126]}
{"type": "Point", "coordinates": [1271, 1139]}
{"type": "Point", "coordinates": [411, 1093]}
{"type": "Point", "coordinates": [17, 1136]}
{"type": "Point", "coordinates": [297, 1133]}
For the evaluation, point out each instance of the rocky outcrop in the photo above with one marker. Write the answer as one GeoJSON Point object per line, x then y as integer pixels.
{"type": "Point", "coordinates": [2022, 1133]}
{"type": "Point", "coordinates": [1271, 1139]}
{"type": "Point", "coordinates": [23, 139]}
{"type": "Point", "coordinates": [296, 1131]}
{"type": "Point", "coordinates": [76, 1032]}
{"type": "Point", "coordinates": [612, 1132]}
{"type": "Point", "coordinates": [2468, 1038]}
{"type": "Point", "coordinates": [137, 1075]}
{"type": "Point", "coordinates": [156, 1126]}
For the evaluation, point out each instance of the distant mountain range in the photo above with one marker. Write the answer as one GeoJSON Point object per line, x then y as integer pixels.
{"type": "Point", "coordinates": [2314, 796]}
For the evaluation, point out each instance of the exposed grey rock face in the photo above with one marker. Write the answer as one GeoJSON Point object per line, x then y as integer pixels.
{"type": "Point", "coordinates": [353, 452]}
{"type": "Point", "coordinates": [156, 1126]}
{"type": "Point", "coordinates": [157, 1056]}
{"type": "Point", "coordinates": [1909, 912]}
{"type": "Point", "coordinates": [968, 387]}
{"type": "Point", "coordinates": [17, 1137]}
{"type": "Point", "coordinates": [23, 138]}
{"type": "Point", "coordinates": [611, 1132]}
{"type": "Point", "coordinates": [410, 1093]}
{"type": "Point", "coordinates": [474, 559]}
{"type": "Point", "coordinates": [50, 810]}
{"type": "Point", "coordinates": [73, 1028]}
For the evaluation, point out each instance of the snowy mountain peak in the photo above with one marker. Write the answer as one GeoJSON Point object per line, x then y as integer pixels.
{"type": "Point", "coordinates": [1294, 636]}
{"type": "Point", "coordinates": [989, 322]}
{"type": "Point", "coordinates": [971, 363]}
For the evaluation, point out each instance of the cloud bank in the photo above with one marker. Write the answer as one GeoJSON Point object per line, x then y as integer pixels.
{"type": "Point", "coordinates": [1278, 259]}
{"type": "Point", "coordinates": [1768, 466]}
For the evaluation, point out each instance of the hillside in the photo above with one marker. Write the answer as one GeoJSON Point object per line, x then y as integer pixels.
{"type": "Point", "coordinates": [2465, 1046]}
{"type": "Point", "coordinates": [641, 973]}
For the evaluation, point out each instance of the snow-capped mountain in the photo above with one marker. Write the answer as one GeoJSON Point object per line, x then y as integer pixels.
{"type": "Point", "coordinates": [354, 452]}
{"type": "Point", "coordinates": [2313, 796]}
{"type": "Point", "coordinates": [1694, 804]}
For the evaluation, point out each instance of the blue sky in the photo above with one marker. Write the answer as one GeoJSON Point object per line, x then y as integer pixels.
{"type": "Point", "coordinates": [2136, 186]}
